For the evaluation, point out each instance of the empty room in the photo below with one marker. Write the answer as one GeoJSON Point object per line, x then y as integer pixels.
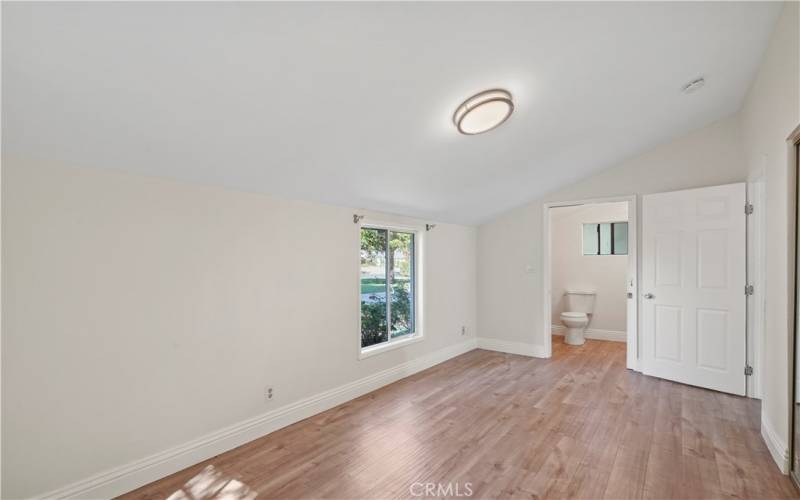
{"type": "Point", "coordinates": [378, 250]}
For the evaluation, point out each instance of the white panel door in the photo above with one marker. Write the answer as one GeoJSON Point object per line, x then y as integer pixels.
{"type": "Point", "coordinates": [693, 279]}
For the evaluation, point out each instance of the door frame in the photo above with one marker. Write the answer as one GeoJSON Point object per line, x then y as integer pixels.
{"type": "Point", "coordinates": [793, 290]}
{"type": "Point", "coordinates": [756, 272]}
{"type": "Point", "coordinates": [632, 351]}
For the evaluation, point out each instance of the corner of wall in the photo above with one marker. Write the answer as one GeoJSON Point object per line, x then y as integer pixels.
{"type": "Point", "coordinates": [511, 347]}
{"type": "Point", "coordinates": [777, 447]}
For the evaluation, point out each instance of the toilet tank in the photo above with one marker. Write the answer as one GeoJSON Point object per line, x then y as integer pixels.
{"type": "Point", "coordinates": [579, 301]}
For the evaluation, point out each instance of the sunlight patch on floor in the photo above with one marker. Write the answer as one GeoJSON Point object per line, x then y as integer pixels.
{"type": "Point", "coordinates": [210, 483]}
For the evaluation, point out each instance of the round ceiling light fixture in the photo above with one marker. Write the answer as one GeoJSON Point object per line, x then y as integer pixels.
{"type": "Point", "coordinates": [483, 112]}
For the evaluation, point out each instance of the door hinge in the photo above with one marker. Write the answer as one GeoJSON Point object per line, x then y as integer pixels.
{"type": "Point", "coordinates": [749, 290]}
{"type": "Point", "coordinates": [748, 208]}
{"type": "Point", "coordinates": [748, 370]}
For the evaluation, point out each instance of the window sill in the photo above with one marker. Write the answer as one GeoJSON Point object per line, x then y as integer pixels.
{"type": "Point", "coordinates": [388, 346]}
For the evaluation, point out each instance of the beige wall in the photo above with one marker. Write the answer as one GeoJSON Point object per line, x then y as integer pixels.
{"type": "Point", "coordinates": [510, 278]}
{"type": "Point", "coordinates": [605, 274]}
{"type": "Point", "coordinates": [140, 313]}
{"type": "Point", "coordinates": [770, 112]}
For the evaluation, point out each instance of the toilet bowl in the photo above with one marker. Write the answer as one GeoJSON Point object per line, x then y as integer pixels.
{"type": "Point", "coordinates": [576, 323]}
{"type": "Point", "coordinates": [579, 305]}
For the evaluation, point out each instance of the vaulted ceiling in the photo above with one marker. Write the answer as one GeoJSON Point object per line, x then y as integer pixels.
{"type": "Point", "coordinates": [351, 103]}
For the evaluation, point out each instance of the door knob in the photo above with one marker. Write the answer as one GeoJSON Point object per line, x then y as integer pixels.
{"type": "Point", "coordinates": [649, 296]}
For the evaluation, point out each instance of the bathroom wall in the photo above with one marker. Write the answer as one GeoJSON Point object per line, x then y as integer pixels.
{"type": "Point", "coordinates": [606, 274]}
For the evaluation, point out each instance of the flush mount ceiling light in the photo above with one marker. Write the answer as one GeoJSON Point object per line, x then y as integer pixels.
{"type": "Point", "coordinates": [694, 85]}
{"type": "Point", "coordinates": [483, 111]}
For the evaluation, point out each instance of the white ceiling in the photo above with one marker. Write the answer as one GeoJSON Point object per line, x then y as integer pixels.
{"type": "Point", "coordinates": [350, 103]}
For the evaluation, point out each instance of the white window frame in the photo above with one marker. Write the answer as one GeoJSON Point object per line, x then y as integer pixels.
{"type": "Point", "coordinates": [417, 336]}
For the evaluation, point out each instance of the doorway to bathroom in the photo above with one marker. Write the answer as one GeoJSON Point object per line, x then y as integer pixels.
{"type": "Point", "coordinates": [590, 272]}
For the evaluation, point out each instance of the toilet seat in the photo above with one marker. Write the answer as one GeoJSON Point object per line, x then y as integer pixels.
{"type": "Point", "coordinates": [573, 315]}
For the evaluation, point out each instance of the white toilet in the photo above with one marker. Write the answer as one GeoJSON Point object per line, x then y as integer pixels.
{"type": "Point", "coordinates": [579, 305]}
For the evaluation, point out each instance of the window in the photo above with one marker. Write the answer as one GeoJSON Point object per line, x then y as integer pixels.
{"type": "Point", "coordinates": [388, 285]}
{"type": "Point", "coordinates": [605, 238]}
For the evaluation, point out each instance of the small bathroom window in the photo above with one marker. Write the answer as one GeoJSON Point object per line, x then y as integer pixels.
{"type": "Point", "coordinates": [605, 238]}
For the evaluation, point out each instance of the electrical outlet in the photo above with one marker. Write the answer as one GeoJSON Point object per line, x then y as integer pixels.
{"type": "Point", "coordinates": [463, 330]}
{"type": "Point", "coordinates": [267, 393]}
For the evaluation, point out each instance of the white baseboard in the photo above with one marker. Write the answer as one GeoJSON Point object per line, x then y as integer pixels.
{"type": "Point", "coordinates": [776, 446]}
{"type": "Point", "coordinates": [128, 477]}
{"type": "Point", "coordinates": [594, 334]}
{"type": "Point", "coordinates": [510, 347]}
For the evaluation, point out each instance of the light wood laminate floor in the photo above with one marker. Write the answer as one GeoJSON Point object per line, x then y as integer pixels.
{"type": "Point", "coordinates": [578, 425]}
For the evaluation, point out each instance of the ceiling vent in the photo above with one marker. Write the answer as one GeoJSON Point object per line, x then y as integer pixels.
{"type": "Point", "coordinates": [694, 85]}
